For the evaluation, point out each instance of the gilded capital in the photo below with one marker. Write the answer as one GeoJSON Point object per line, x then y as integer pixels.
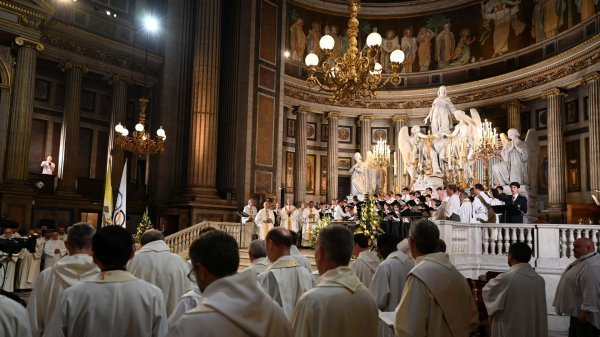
{"type": "Point", "coordinates": [25, 42]}
{"type": "Point", "coordinates": [365, 118]}
{"type": "Point", "coordinates": [400, 118]}
{"type": "Point", "coordinates": [301, 110]}
{"type": "Point", "coordinates": [514, 104]}
{"type": "Point", "coordinates": [333, 114]}
{"type": "Point", "coordinates": [64, 66]}
{"type": "Point", "coordinates": [593, 77]}
{"type": "Point", "coordinates": [554, 92]}
{"type": "Point", "coordinates": [119, 78]}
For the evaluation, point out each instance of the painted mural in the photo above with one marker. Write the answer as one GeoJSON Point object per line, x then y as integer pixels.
{"type": "Point", "coordinates": [477, 32]}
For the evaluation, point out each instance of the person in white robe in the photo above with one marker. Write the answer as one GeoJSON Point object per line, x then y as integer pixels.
{"type": "Point", "coordinates": [265, 220]}
{"type": "Point", "coordinates": [340, 305]}
{"type": "Point", "coordinates": [289, 216]}
{"type": "Point", "coordinates": [29, 264]}
{"type": "Point", "coordinates": [8, 265]}
{"type": "Point", "coordinates": [389, 279]}
{"type": "Point", "coordinates": [480, 211]}
{"type": "Point", "coordinates": [297, 255]}
{"type": "Point", "coordinates": [285, 280]}
{"type": "Point", "coordinates": [516, 300]}
{"type": "Point", "coordinates": [578, 293]}
{"type": "Point", "coordinates": [187, 302]}
{"type": "Point", "coordinates": [453, 206]}
{"type": "Point", "coordinates": [69, 271]}
{"type": "Point", "coordinates": [466, 208]}
{"type": "Point", "coordinates": [154, 263]}
{"type": "Point", "coordinates": [54, 250]}
{"type": "Point", "coordinates": [251, 211]}
{"type": "Point", "coordinates": [257, 253]}
{"type": "Point", "coordinates": [13, 319]}
{"type": "Point", "coordinates": [232, 304]}
{"type": "Point", "coordinates": [310, 216]}
{"type": "Point", "coordinates": [366, 262]}
{"type": "Point", "coordinates": [338, 212]}
{"type": "Point", "coordinates": [113, 304]}
{"type": "Point", "coordinates": [62, 235]}
{"type": "Point", "coordinates": [437, 300]}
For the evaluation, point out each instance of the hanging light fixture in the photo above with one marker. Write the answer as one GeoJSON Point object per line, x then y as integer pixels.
{"type": "Point", "coordinates": [141, 142]}
{"type": "Point", "coordinates": [353, 76]}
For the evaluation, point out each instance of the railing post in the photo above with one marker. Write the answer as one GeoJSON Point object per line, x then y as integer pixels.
{"type": "Point", "coordinates": [548, 241]}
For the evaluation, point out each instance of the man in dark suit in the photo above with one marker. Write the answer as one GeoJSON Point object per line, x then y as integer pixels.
{"type": "Point", "coordinates": [516, 205]}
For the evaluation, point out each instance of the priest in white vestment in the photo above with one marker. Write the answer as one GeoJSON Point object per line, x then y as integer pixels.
{"type": "Point", "coordinates": [13, 319]}
{"type": "Point", "coordinates": [257, 253]}
{"type": "Point", "coordinates": [29, 266]}
{"type": "Point", "coordinates": [285, 280]}
{"type": "Point", "coordinates": [154, 263]}
{"type": "Point", "coordinates": [296, 254]}
{"type": "Point", "coordinates": [578, 293]}
{"type": "Point", "coordinates": [289, 217]}
{"type": "Point", "coordinates": [265, 220]}
{"type": "Point", "coordinates": [115, 303]}
{"type": "Point", "coordinates": [340, 305]}
{"type": "Point", "coordinates": [54, 250]}
{"type": "Point", "coordinates": [466, 208]}
{"type": "Point", "coordinates": [437, 301]}
{"type": "Point", "coordinates": [251, 211]}
{"type": "Point", "coordinates": [366, 262]}
{"type": "Point", "coordinates": [516, 300]}
{"type": "Point", "coordinates": [187, 302]}
{"type": "Point", "coordinates": [389, 279]}
{"type": "Point", "coordinates": [232, 304]}
{"type": "Point", "coordinates": [8, 265]}
{"type": "Point", "coordinates": [72, 269]}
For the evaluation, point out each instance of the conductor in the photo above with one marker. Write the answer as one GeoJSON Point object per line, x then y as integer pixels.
{"type": "Point", "coordinates": [516, 205]}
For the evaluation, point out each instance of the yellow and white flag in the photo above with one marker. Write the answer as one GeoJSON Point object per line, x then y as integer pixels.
{"type": "Point", "coordinates": [107, 208]}
{"type": "Point", "coordinates": [121, 204]}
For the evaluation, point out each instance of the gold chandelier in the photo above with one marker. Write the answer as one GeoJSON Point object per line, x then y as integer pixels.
{"type": "Point", "coordinates": [140, 142]}
{"type": "Point", "coordinates": [353, 76]}
{"type": "Point", "coordinates": [381, 153]}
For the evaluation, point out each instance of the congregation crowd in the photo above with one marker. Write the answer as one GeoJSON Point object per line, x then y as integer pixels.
{"type": "Point", "coordinates": [103, 287]}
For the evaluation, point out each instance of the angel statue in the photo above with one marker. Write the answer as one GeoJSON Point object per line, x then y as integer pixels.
{"type": "Point", "coordinates": [465, 138]}
{"type": "Point", "coordinates": [359, 176]}
{"type": "Point", "coordinates": [519, 162]}
{"type": "Point", "coordinates": [410, 147]}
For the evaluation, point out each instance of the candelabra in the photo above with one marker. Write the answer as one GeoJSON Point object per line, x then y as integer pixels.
{"type": "Point", "coordinates": [486, 149]}
{"type": "Point", "coordinates": [381, 153]}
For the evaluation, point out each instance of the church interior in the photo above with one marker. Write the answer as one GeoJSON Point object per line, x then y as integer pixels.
{"type": "Point", "coordinates": [198, 106]}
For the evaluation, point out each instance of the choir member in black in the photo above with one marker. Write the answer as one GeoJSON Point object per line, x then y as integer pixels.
{"type": "Point", "coordinates": [396, 224]}
{"type": "Point", "coordinates": [386, 218]}
{"type": "Point", "coordinates": [516, 205]}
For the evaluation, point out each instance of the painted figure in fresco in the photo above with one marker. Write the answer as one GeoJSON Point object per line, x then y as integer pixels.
{"type": "Point", "coordinates": [297, 40]}
{"type": "Point", "coordinates": [389, 44]}
{"type": "Point", "coordinates": [424, 50]}
{"type": "Point", "coordinates": [503, 17]}
{"type": "Point", "coordinates": [312, 40]}
{"type": "Point", "coordinates": [337, 48]}
{"type": "Point", "coordinates": [586, 8]}
{"type": "Point", "coordinates": [444, 46]}
{"type": "Point", "coordinates": [345, 42]}
{"type": "Point", "coordinates": [537, 26]}
{"type": "Point", "coordinates": [551, 16]}
{"type": "Point", "coordinates": [409, 47]}
{"type": "Point", "coordinates": [462, 52]}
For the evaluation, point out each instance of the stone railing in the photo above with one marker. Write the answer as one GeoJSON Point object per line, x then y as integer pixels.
{"type": "Point", "coordinates": [180, 242]}
{"type": "Point", "coordinates": [477, 248]}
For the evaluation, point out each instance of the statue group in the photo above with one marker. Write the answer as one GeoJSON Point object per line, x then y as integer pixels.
{"type": "Point", "coordinates": [456, 150]}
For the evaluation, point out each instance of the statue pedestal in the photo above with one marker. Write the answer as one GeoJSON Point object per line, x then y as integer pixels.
{"type": "Point", "coordinates": [429, 181]}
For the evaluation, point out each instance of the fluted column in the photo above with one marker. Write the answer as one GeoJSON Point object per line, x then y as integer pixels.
{"type": "Point", "coordinates": [399, 122]}
{"type": "Point", "coordinates": [69, 135]}
{"type": "Point", "coordinates": [593, 85]}
{"type": "Point", "coordinates": [118, 110]}
{"type": "Point", "coordinates": [202, 165]}
{"type": "Point", "coordinates": [365, 134]}
{"type": "Point", "coordinates": [514, 114]}
{"type": "Point", "coordinates": [556, 149]}
{"type": "Point", "coordinates": [332, 155]}
{"type": "Point", "coordinates": [19, 136]}
{"type": "Point", "coordinates": [300, 155]}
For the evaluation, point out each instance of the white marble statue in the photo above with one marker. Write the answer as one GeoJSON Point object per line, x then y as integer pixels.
{"type": "Point", "coordinates": [372, 174]}
{"type": "Point", "coordinates": [465, 139]}
{"type": "Point", "coordinates": [514, 167]}
{"type": "Point", "coordinates": [410, 147]}
{"type": "Point", "coordinates": [440, 113]}
{"type": "Point", "coordinates": [359, 173]}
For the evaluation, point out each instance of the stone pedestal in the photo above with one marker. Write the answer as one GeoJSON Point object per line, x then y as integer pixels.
{"type": "Point", "coordinates": [556, 151]}
{"type": "Point", "coordinates": [365, 134]}
{"type": "Point", "coordinates": [300, 155]}
{"type": "Point", "coordinates": [332, 155]}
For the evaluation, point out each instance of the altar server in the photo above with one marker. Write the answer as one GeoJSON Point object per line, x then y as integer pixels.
{"type": "Point", "coordinates": [437, 301]}
{"type": "Point", "coordinates": [115, 303]}
{"type": "Point", "coordinates": [285, 279]}
{"type": "Point", "coordinates": [340, 305]}
{"type": "Point", "coordinates": [466, 208]}
{"type": "Point", "coordinates": [67, 272]}
{"type": "Point", "coordinates": [516, 300]}
{"type": "Point", "coordinates": [366, 262]}
{"type": "Point", "coordinates": [232, 304]}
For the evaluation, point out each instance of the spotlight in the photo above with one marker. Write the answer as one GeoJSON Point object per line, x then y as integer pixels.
{"type": "Point", "coordinates": [151, 24]}
{"type": "Point", "coordinates": [108, 12]}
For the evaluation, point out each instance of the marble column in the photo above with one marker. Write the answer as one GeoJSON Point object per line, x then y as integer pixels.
{"type": "Point", "coordinates": [399, 122]}
{"type": "Point", "coordinates": [332, 155]}
{"type": "Point", "coordinates": [202, 161]}
{"type": "Point", "coordinates": [19, 136]}
{"type": "Point", "coordinates": [300, 155]}
{"type": "Point", "coordinates": [556, 149]}
{"type": "Point", "coordinates": [514, 115]}
{"type": "Point", "coordinates": [69, 135]}
{"type": "Point", "coordinates": [118, 110]}
{"type": "Point", "coordinates": [593, 85]}
{"type": "Point", "coordinates": [365, 134]}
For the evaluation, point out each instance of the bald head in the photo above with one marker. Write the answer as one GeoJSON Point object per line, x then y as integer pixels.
{"type": "Point", "coordinates": [279, 241]}
{"type": "Point", "coordinates": [582, 247]}
{"type": "Point", "coordinates": [151, 235]}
